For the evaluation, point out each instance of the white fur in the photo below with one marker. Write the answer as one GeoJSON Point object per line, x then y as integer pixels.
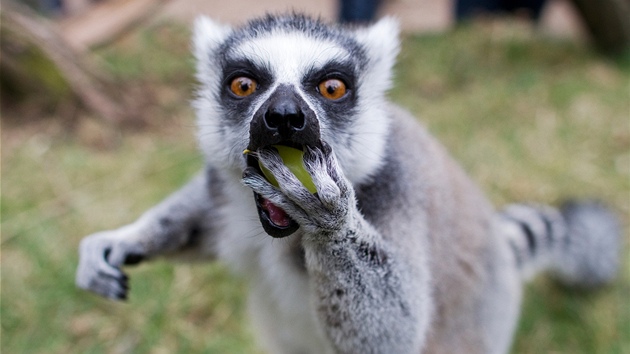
{"type": "Point", "coordinates": [207, 37]}
{"type": "Point", "coordinates": [290, 55]}
{"type": "Point", "coordinates": [382, 44]}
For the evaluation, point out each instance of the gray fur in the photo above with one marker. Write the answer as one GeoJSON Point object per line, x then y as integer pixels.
{"type": "Point", "coordinates": [398, 252]}
{"type": "Point", "coordinates": [590, 256]}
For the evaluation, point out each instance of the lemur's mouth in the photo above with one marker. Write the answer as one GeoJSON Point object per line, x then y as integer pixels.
{"type": "Point", "coordinates": [275, 221]}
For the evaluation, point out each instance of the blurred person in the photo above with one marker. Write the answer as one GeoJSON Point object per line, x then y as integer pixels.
{"type": "Point", "coordinates": [467, 9]}
{"type": "Point", "coordinates": [358, 11]}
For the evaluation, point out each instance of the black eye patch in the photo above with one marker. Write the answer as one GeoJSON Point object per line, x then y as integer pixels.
{"type": "Point", "coordinates": [237, 108]}
{"type": "Point", "coordinates": [333, 70]}
{"type": "Point", "coordinates": [236, 68]}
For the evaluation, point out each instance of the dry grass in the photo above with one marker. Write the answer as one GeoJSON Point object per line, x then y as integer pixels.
{"type": "Point", "coordinates": [530, 118]}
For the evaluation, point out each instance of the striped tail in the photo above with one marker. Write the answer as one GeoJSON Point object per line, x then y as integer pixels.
{"type": "Point", "coordinates": [579, 244]}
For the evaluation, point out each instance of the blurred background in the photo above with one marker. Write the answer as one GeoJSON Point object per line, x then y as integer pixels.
{"type": "Point", "coordinates": [532, 97]}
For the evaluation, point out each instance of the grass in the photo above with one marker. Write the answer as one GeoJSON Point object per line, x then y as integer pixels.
{"type": "Point", "coordinates": [529, 117]}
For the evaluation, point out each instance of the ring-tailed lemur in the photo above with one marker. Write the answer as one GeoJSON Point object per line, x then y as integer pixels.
{"type": "Point", "coordinates": [397, 251]}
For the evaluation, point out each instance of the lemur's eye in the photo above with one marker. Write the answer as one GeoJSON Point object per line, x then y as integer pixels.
{"type": "Point", "coordinates": [332, 89]}
{"type": "Point", "coordinates": [243, 86]}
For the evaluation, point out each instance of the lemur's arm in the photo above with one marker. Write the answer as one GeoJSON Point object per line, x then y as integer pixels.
{"type": "Point", "coordinates": [366, 298]}
{"type": "Point", "coordinates": [181, 223]}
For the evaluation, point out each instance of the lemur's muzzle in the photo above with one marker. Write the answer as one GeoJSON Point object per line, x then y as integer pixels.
{"type": "Point", "coordinates": [284, 119]}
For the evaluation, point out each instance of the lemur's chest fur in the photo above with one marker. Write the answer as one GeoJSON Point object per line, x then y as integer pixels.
{"type": "Point", "coordinates": [280, 298]}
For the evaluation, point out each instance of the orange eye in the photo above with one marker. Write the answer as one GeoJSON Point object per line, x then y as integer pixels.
{"type": "Point", "coordinates": [243, 86]}
{"type": "Point", "coordinates": [332, 89]}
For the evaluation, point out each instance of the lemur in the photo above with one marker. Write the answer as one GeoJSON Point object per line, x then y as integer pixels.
{"type": "Point", "coordinates": [397, 251]}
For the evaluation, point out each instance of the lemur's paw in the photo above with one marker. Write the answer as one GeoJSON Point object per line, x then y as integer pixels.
{"type": "Point", "coordinates": [326, 210]}
{"type": "Point", "coordinates": [100, 257]}
{"type": "Point", "coordinates": [333, 189]}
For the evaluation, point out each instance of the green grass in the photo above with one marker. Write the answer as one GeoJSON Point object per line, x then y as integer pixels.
{"type": "Point", "coordinates": [530, 118]}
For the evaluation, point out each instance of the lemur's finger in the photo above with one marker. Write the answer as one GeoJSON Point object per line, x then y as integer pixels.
{"type": "Point", "coordinates": [327, 190]}
{"type": "Point", "coordinates": [105, 281]}
{"type": "Point", "coordinates": [113, 287]}
{"type": "Point", "coordinates": [334, 170]}
{"type": "Point", "coordinates": [94, 254]}
{"type": "Point", "coordinates": [260, 185]}
{"type": "Point", "coordinates": [254, 180]}
{"type": "Point", "coordinates": [287, 182]}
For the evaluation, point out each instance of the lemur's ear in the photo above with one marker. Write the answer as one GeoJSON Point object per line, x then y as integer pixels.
{"type": "Point", "coordinates": [382, 44]}
{"type": "Point", "coordinates": [207, 37]}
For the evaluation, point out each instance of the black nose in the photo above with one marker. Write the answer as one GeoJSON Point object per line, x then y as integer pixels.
{"type": "Point", "coordinates": [285, 116]}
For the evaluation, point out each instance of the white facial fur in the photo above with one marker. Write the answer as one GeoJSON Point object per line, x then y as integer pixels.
{"type": "Point", "coordinates": [289, 55]}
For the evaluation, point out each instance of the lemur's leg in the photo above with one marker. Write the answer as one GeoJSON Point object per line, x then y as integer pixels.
{"type": "Point", "coordinates": [182, 222]}
{"type": "Point", "coordinates": [366, 298]}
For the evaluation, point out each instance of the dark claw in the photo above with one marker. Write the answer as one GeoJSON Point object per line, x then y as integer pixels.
{"type": "Point", "coordinates": [106, 254]}
{"type": "Point", "coordinates": [249, 172]}
{"type": "Point", "coordinates": [122, 296]}
{"type": "Point", "coordinates": [134, 258]}
{"type": "Point", "coordinates": [309, 153]}
{"type": "Point", "coordinates": [327, 149]}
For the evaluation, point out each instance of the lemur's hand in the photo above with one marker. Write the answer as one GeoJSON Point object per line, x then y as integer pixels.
{"type": "Point", "coordinates": [100, 257]}
{"type": "Point", "coordinates": [325, 212]}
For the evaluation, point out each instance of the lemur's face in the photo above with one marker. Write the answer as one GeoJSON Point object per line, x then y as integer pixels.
{"type": "Point", "coordinates": [294, 81]}
{"type": "Point", "coordinates": [292, 89]}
